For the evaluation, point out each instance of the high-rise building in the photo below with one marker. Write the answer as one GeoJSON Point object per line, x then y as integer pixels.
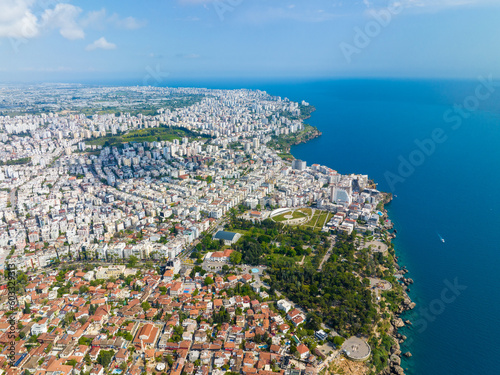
{"type": "Point", "coordinates": [299, 165]}
{"type": "Point", "coordinates": [341, 194]}
{"type": "Point", "coordinates": [256, 143]}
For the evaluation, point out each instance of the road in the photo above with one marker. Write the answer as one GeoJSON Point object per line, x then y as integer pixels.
{"type": "Point", "coordinates": [187, 252]}
{"type": "Point", "coordinates": [328, 253]}
{"type": "Point", "coordinates": [12, 198]}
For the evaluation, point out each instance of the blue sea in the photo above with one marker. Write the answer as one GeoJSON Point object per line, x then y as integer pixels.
{"type": "Point", "coordinates": [436, 146]}
{"type": "Point", "coordinates": [448, 186]}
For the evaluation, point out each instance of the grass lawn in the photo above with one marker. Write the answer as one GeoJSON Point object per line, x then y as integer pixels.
{"type": "Point", "coordinates": [286, 156]}
{"type": "Point", "coordinates": [307, 211]}
{"type": "Point", "coordinates": [280, 218]}
{"type": "Point", "coordinates": [144, 135]}
{"type": "Point", "coordinates": [297, 214]}
{"type": "Point", "coordinates": [241, 231]}
{"type": "Point", "coordinates": [319, 219]}
{"type": "Point", "coordinates": [323, 219]}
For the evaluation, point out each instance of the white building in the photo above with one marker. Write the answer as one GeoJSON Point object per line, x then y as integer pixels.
{"type": "Point", "coordinates": [341, 195]}
{"type": "Point", "coordinates": [299, 165]}
{"type": "Point", "coordinates": [284, 305]}
{"type": "Point", "coordinates": [37, 329]}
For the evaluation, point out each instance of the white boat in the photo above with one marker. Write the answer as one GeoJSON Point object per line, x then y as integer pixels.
{"type": "Point", "coordinates": [441, 238]}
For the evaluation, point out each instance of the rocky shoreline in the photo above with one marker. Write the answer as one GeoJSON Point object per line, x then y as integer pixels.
{"type": "Point", "coordinates": [394, 361]}
{"type": "Point", "coordinates": [396, 354]}
{"type": "Point", "coordinates": [394, 365]}
{"type": "Point", "coordinates": [314, 134]}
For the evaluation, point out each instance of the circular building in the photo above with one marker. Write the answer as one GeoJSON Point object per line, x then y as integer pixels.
{"type": "Point", "coordinates": [160, 367]}
{"type": "Point", "coordinates": [356, 349]}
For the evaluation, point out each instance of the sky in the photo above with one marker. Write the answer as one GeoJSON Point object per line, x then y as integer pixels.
{"type": "Point", "coordinates": [153, 42]}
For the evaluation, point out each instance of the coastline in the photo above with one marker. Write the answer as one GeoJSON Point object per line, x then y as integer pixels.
{"type": "Point", "coordinates": [394, 366]}
{"type": "Point", "coordinates": [395, 354]}
{"type": "Point", "coordinates": [282, 144]}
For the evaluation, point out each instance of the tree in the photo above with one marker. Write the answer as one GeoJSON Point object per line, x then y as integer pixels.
{"type": "Point", "coordinates": [177, 334]}
{"type": "Point", "coordinates": [69, 318]}
{"type": "Point", "coordinates": [338, 341]}
{"type": "Point", "coordinates": [132, 261]}
{"type": "Point", "coordinates": [313, 321]}
{"type": "Point", "coordinates": [105, 357]}
{"type": "Point", "coordinates": [83, 289]}
{"type": "Point", "coordinates": [235, 257]}
{"type": "Point", "coordinates": [208, 280]}
{"type": "Point", "coordinates": [84, 341]}
{"type": "Point", "coordinates": [222, 316]}
{"type": "Point", "coordinates": [170, 360]}
{"type": "Point", "coordinates": [145, 306]}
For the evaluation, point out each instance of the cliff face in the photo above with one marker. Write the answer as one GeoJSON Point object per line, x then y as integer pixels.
{"type": "Point", "coordinates": [394, 360]}
{"type": "Point", "coordinates": [307, 135]}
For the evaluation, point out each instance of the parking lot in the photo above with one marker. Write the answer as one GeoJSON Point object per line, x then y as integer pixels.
{"type": "Point", "coordinates": [326, 349]}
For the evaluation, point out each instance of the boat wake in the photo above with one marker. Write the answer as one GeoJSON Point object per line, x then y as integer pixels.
{"type": "Point", "coordinates": [441, 238]}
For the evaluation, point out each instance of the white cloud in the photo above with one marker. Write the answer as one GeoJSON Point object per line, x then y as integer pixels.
{"type": "Point", "coordinates": [101, 43]}
{"type": "Point", "coordinates": [17, 20]}
{"type": "Point", "coordinates": [99, 19]}
{"type": "Point", "coordinates": [29, 18]}
{"type": "Point", "coordinates": [63, 17]}
{"type": "Point", "coordinates": [95, 18]}
{"type": "Point", "coordinates": [129, 23]}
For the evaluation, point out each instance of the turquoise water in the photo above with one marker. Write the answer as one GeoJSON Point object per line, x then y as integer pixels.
{"type": "Point", "coordinates": [369, 127]}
